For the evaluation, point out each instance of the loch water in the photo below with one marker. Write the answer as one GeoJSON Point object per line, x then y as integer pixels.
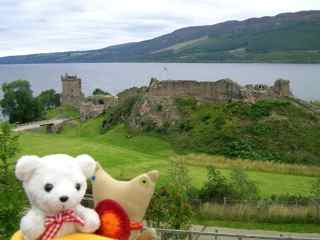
{"type": "Point", "coordinates": [115, 77]}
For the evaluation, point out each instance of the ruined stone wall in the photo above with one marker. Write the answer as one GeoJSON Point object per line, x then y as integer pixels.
{"type": "Point", "coordinates": [158, 106]}
{"type": "Point", "coordinates": [220, 90]}
{"type": "Point", "coordinates": [89, 110]}
{"type": "Point", "coordinates": [280, 89]}
{"type": "Point", "coordinates": [95, 105]}
{"type": "Point", "coordinates": [71, 91]}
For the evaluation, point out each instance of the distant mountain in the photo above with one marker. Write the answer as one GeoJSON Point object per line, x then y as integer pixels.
{"type": "Point", "coordinates": [287, 37]}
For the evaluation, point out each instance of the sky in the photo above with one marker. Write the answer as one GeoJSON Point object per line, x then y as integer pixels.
{"type": "Point", "coordinates": [37, 26]}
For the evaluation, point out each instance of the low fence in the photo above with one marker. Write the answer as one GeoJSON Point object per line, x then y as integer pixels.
{"type": "Point", "coordinates": [165, 234]}
{"type": "Point", "coordinates": [263, 211]}
{"type": "Point", "coordinates": [272, 211]}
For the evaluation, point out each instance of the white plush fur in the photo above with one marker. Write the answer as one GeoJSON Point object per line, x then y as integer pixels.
{"type": "Point", "coordinates": [63, 172]}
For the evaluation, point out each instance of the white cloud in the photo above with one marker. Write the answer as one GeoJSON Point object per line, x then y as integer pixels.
{"type": "Point", "coordinates": [33, 26]}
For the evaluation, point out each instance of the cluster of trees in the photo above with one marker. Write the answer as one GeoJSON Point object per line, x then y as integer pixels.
{"type": "Point", "coordinates": [20, 105]}
{"type": "Point", "coordinates": [217, 187]}
{"type": "Point", "coordinates": [173, 204]}
{"type": "Point", "coordinates": [176, 203]}
{"type": "Point", "coordinates": [99, 91]}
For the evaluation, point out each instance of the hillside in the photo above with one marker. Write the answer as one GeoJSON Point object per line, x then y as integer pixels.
{"type": "Point", "coordinates": [287, 37]}
{"type": "Point", "coordinates": [125, 156]}
{"type": "Point", "coordinates": [281, 130]}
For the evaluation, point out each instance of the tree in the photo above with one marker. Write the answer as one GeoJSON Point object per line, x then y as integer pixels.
{"type": "Point", "coordinates": [49, 99]}
{"type": "Point", "coordinates": [243, 187]}
{"type": "Point", "coordinates": [216, 188]}
{"type": "Point", "coordinates": [18, 103]}
{"type": "Point", "coordinates": [12, 199]}
{"type": "Point", "coordinates": [170, 206]}
{"type": "Point", "coordinates": [99, 91]}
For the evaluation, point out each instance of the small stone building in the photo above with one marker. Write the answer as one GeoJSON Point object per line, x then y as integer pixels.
{"type": "Point", "coordinates": [71, 91]}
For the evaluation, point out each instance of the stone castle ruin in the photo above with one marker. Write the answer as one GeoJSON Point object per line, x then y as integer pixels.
{"type": "Point", "coordinates": [221, 90]}
{"type": "Point", "coordinates": [71, 91]}
{"type": "Point", "coordinates": [158, 99]}
{"type": "Point", "coordinates": [93, 106]}
{"type": "Point", "coordinates": [89, 107]}
{"type": "Point", "coordinates": [158, 106]}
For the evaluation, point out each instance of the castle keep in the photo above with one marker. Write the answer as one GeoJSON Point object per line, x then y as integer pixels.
{"type": "Point", "coordinates": [71, 90]}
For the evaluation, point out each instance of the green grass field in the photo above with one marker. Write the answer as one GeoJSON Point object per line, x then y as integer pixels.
{"type": "Point", "coordinates": [126, 155]}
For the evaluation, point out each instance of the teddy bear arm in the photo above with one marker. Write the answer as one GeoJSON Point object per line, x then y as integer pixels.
{"type": "Point", "coordinates": [32, 225]}
{"type": "Point", "coordinates": [91, 219]}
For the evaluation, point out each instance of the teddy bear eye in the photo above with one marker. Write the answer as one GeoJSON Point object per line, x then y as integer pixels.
{"type": "Point", "coordinates": [78, 186]}
{"type": "Point", "coordinates": [48, 187]}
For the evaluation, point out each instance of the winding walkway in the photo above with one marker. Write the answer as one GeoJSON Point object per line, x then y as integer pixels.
{"type": "Point", "coordinates": [39, 124]}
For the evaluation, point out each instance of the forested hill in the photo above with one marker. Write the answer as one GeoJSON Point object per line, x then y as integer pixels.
{"type": "Point", "coordinates": [287, 37]}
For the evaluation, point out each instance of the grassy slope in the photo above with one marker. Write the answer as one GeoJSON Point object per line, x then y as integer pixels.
{"type": "Point", "coordinates": [126, 155]}
{"type": "Point", "coordinates": [63, 112]}
{"type": "Point", "coordinates": [276, 130]}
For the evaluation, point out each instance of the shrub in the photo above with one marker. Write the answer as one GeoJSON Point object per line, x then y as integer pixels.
{"type": "Point", "coordinates": [186, 104]}
{"type": "Point", "coordinates": [120, 112]}
{"type": "Point", "coordinates": [12, 200]}
{"type": "Point", "coordinates": [216, 188]}
{"type": "Point", "coordinates": [170, 206]}
{"type": "Point", "coordinates": [243, 187]}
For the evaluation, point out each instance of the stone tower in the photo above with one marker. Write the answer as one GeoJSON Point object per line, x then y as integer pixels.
{"type": "Point", "coordinates": [282, 88]}
{"type": "Point", "coordinates": [71, 91]}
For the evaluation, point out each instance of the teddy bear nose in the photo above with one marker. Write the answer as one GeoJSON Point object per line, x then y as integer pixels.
{"type": "Point", "coordinates": [64, 198]}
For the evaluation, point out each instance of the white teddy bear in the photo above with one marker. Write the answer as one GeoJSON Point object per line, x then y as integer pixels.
{"type": "Point", "coordinates": [55, 186]}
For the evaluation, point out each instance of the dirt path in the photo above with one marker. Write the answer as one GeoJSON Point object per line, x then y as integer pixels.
{"type": "Point", "coordinates": [35, 125]}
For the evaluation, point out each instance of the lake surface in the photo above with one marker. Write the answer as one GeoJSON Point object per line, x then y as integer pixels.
{"type": "Point", "coordinates": [115, 77]}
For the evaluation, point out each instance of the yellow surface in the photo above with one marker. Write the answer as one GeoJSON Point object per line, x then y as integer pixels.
{"type": "Point", "coordinates": [77, 236]}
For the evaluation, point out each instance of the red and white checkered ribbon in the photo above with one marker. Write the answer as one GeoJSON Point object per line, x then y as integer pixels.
{"type": "Point", "coordinates": [54, 223]}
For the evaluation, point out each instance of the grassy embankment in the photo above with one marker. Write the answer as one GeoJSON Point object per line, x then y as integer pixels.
{"type": "Point", "coordinates": [62, 112]}
{"type": "Point", "coordinates": [126, 155]}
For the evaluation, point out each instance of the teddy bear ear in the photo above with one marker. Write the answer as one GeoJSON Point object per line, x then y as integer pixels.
{"type": "Point", "coordinates": [25, 167]}
{"type": "Point", "coordinates": [87, 164]}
